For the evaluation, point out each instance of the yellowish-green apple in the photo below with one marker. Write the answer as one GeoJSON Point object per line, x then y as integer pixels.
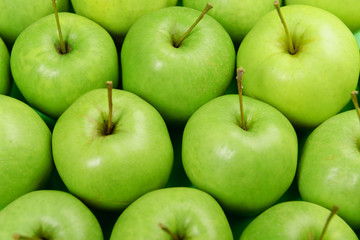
{"type": "Point", "coordinates": [313, 83]}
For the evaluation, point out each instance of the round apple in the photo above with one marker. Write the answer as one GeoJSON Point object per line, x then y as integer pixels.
{"type": "Point", "coordinates": [117, 16]}
{"type": "Point", "coordinates": [245, 170]}
{"type": "Point", "coordinates": [50, 80]}
{"type": "Point", "coordinates": [346, 10]}
{"type": "Point", "coordinates": [297, 220]}
{"type": "Point", "coordinates": [17, 15]}
{"type": "Point", "coordinates": [329, 170]}
{"type": "Point", "coordinates": [177, 80]}
{"type": "Point", "coordinates": [48, 214]}
{"type": "Point", "coordinates": [5, 75]}
{"type": "Point", "coordinates": [25, 152]}
{"type": "Point", "coordinates": [311, 84]}
{"type": "Point", "coordinates": [109, 170]}
{"type": "Point", "coordinates": [237, 17]}
{"type": "Point", "coordinates": [173, 213]}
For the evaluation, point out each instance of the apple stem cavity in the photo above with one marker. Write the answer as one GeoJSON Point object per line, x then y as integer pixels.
{"type": "Point", "coordinates": [20, 237]}
{"type": "Point", "coordinates": [109, 85]}
{"type": "Point", "coordinates": [292, 50]}
{"type": "Point", "coordinates": [173, 236]}
{"type": "Point", "coordinates": [240, 73]}
{"type": "Point", "coordinates": [355, 102]}
{"type": "Point", "coordinates": [333, 212]}
{"type": "Point", "coordinates": [62, 43]}
{"type": "Point", "coordinates": [207, 8]}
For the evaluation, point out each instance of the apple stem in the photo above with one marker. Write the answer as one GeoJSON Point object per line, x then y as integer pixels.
{"type": "Point", "coordinates": [333, 212]}
{"type": "Point", "coordinates": [291, 45]}
{"type": "Point", "coordinates": [174, 237]}
{"type": "Point", "coordinates": [240, 73]}
{"type": "Point", "coordinates": [207, 8]}
{"type": "Point", "coordinates": [355, 102]}
{"type": "Point", "coordinates": [109, 85]}
{"type": "Point", "coordinates": [62, 43]}
{"type": "Point", "coordinates": [20, 237]}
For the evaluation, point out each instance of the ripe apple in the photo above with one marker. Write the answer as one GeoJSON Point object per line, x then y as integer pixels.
{"type": "Point", "coordinates": [177, 80]}
{"type": "Point", "coordinates": [17, 15]}
{"type": "Point", "coordinates": [347, 11]}
{"type": "Point", "coordinates": [245, 170]}
{"type": "Point", "coordinates": [51, 81]}
{"type": "Point", "coordinates": [5, 75]}
{"type": "Point", "coordinates": [25, 150]}
{"type": "Point", "coordinates": [312, 84]}
{"type": "Point", "coordinates": [118, 16]}
{"type": "Point", "coordinates": [173, 213]}
{"type": "Point", "coordinates": [109, 171]}
{"type": "Point", "coordinates": [329, 171]}
{"type": "Point", "coordinates": [237, 17]}
{"type": "Point", "coordinates": [297, 220]}
{"type": "Point", "coordinates": [48, 214]}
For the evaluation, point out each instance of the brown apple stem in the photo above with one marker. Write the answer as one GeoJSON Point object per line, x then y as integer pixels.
{"type": "Point", "coordinates": [109, 88]}
{"type": "Point", "coordinates": [240, 73]}
{"type": "Point", "coordinates": [207, 8]}
{"type": "Point", "coordinates": [20, 237]}
{"type": "Point", "coordinates": [62, 43]}
{"type": "Point", "coordinates": [291, 45]}
{"type": "Point", "coordinates": [173, 236]}
{"type": "Point", "coordinates": [355, 102]}
{"type": "Point", "coordinates": [333, 212]}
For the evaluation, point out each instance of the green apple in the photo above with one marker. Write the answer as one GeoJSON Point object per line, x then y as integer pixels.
{"type": "Point", "coordinates": [51, 81]}
{"type": "Point", "coordinates": [48, 214]}
{"type": "Point", "coordinates": [329, 172]}
{"type": "Point", "coordinates": [297, 220]}
{"type": "Point", "coordinates": [346, 10]}
{"type": "Point", "coordinates": [177, 80]}
{"type": "Point", "coordinates": [109, 171]}
{"type": "Point", "coordinates": [25, 152]}
{"type": "Point", "coordinates": [237, 17]}
{"type": "Point", "coordinates": [312, 84]}
{"type": "Point", "coordinates": [117, 16]}
{"type": "Point", "coordinates": [17, 15]}
{"type": "Point", "coordinates": [245, 170]}
{"type": "Point", "coordinates": [173, 213]}
{"type": "Point", "coordinates": [5, 75]}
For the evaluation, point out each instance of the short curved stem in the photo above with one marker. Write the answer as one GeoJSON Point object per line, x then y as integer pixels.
{"type": "Point", "coordinates": [355, 102]}
{"type": "Point", "coordinates": [290, 42]}
{"type": "Point", "coordinates": [109, 88]}
{"type": "Point", "coordinates": [207, 8]}
{"type": "Point", "coordinates": [62, 43]}
{"type": "Point", "coordinates": [332, 214]}
{"type": "Point", "coordinates": [240, 73]}
{"type": "Point", "coordinates": [173, 236]}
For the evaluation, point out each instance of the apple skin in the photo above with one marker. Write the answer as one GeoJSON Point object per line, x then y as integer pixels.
{"type": "Point", "coordinates": [187, 212]}
{"type": "Point", "coordinates": [221, 158]}
{"type": "Point", "coordinates": [111, 171]}
{"type": "Point", "coordinates": [346, 10]}
{"type": "Point", "coordinates": [49, 214]}
{"type": "Point", "coordinates": [5, 75]}
{"type": "Point", "coordinates": [25, 153]}
{"type": "Point", "coordinates": [49, 81]}
{"type": "Point", "coordinates": [237, 17]}
{"type": "Point", "coordinates": [177, 81]}
{"type": "Point", "coordinates": [297, 220]}
{"type": "Point", "coordinates": [117, 16]}
{"type": "Point", "coordinates": [329, 171]}
{"type": "Point", "coordinates": [314, 83]}
{"type": "Point", "coordinates": [24, 13]}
